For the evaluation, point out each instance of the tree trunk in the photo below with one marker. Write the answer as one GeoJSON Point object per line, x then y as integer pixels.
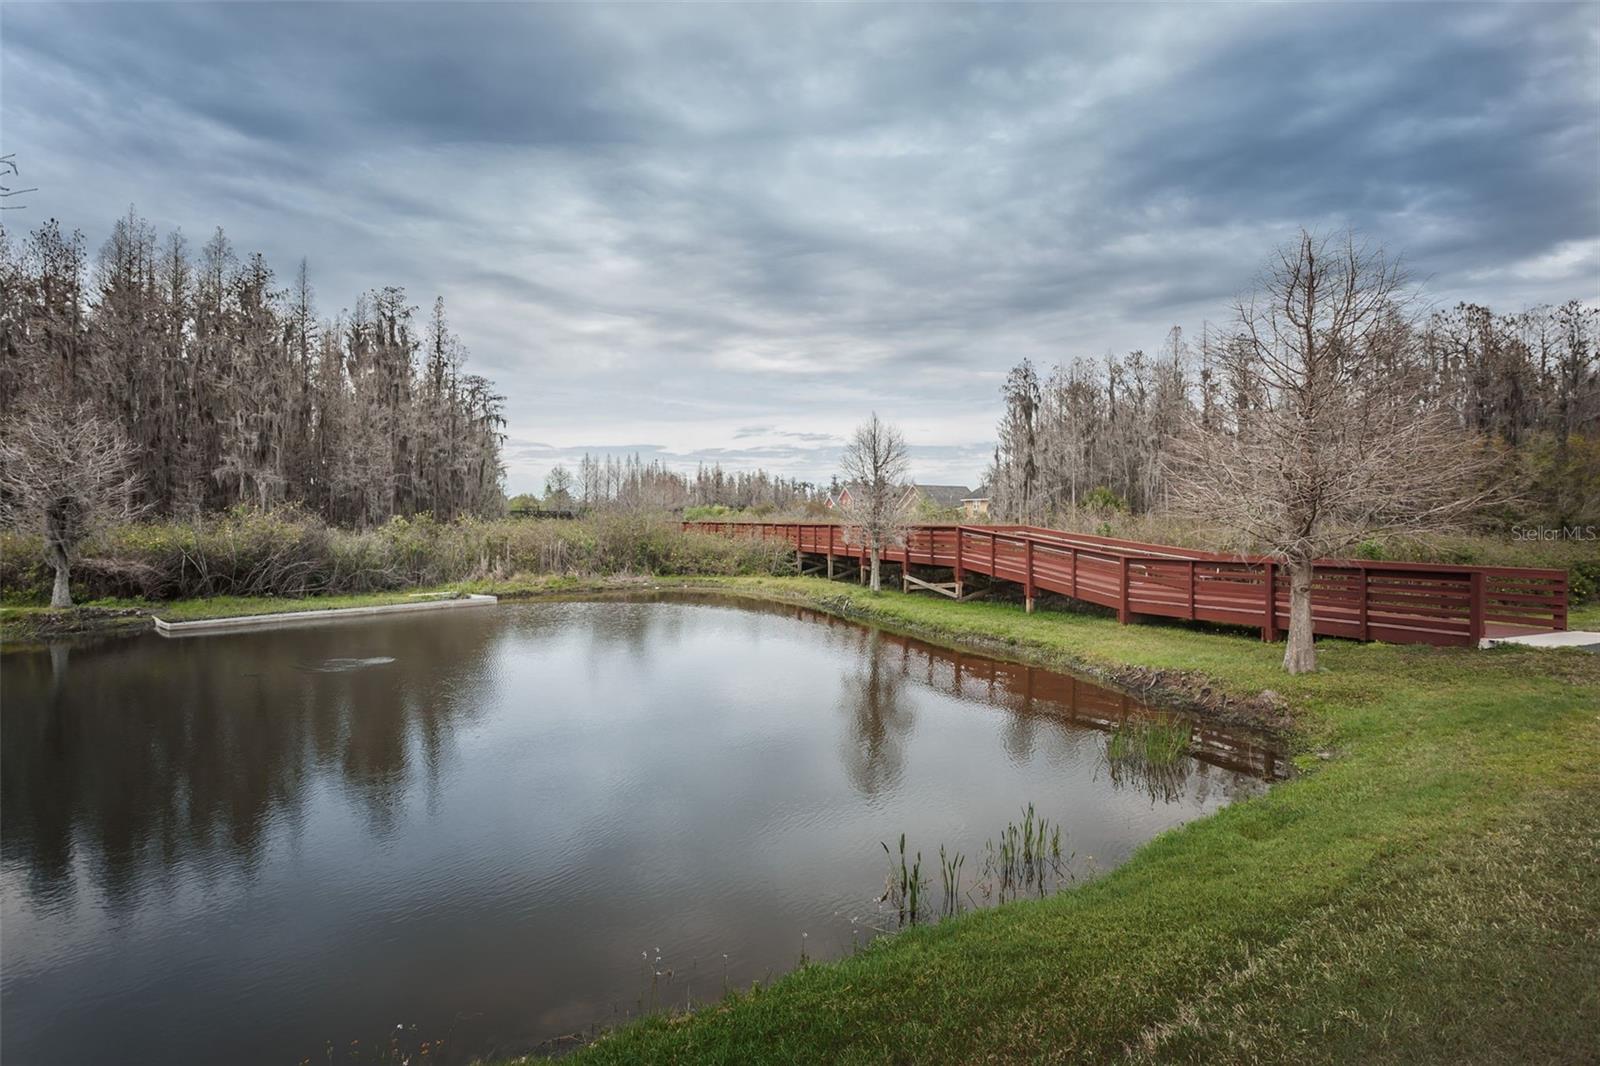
{"type": "Point", "coordinates": [877, 584]}
{"type": "Point", "coordinates": [1300, 656]}
{"type": "Point", "coordinates": [61, 594]}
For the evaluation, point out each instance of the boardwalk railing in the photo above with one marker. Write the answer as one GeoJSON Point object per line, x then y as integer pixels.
{"type": "Point", "coordinates": [1402, 603]}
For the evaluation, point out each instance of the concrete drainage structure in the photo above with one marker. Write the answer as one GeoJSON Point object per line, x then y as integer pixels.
{"type": "Point", "coordinates": [288, 618]}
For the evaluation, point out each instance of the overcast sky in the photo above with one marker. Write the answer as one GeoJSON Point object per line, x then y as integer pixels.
{"type": "Point", "coordinates": [731, 232]}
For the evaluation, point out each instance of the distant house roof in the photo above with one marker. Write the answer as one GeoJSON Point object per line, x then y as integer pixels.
{"type": "Point", "coordinates": [945, 495]}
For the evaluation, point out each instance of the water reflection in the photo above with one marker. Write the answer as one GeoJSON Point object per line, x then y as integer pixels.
{"type": "Point", "coordinates": [142, 754]}
{"type": "Point", "coordinates": [476, 823]}
{"type": "Point", "coordinates": [1032, 694]}
{"type": "Point", "coordinates": [880, 719]}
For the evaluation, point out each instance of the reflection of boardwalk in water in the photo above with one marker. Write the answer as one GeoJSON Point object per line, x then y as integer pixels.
{"type": "Point", "coordinates": [1029, 690]}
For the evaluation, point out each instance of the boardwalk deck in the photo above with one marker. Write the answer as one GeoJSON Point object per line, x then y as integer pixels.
{"type": "Point", "coordinates": [1402, 603]}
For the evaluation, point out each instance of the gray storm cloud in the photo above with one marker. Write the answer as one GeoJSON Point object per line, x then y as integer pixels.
{"type": "Point", "coordinates": [727, 234]}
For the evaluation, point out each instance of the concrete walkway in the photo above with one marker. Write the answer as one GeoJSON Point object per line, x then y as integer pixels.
{"type": "Point", "coordinates": [1587, 641]}
{"type": "Point", "coordinates": [288, 618]}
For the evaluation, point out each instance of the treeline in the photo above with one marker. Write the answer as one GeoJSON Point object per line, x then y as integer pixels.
{"type": "Point", "coordinates": [233, 389]}
{"type": "Point", "coordinates": [1093, 434]}
{"type": "Point", "coordinates": [607, 481]}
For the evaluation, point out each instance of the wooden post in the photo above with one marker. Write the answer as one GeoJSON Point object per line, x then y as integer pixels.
{"type": "Point", "coordinates": [1122, 601]}
{"type": "Point", "coordinates": [831, 528]}
{"type": "Point", "coordinates": [1365, 587]}
{"type": "Point", "coordinates": [958, 562]}
{"type": "Point", "coordinates": [1072, 568]}
{"type": "Point", "coordinates": [993, 571]}
{"type": "Point", "coordinates": [1191, 590]}
{"type": "Point", "coordinates": [1027, 575]}
{"type": "Point", "coordinates": [1269, 629]}
{"type": "Point", "coordinates": [1477, 610]}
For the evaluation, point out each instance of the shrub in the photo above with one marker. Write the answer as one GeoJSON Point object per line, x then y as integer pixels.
{"type": "Point", "coordinates": [287, 552]}
{"type": "Point", "coordinates": [710, 512]}
{"type": "Point", "coordinates": [1369, 549]}
{"type": "Point", "coordinates": [1103, 500]}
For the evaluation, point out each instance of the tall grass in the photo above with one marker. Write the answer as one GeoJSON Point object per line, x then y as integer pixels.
{"type": "Point", "coordinates": [905, 886]}
{"type": "Point", "coordinates": [1152, 742]}
{"type": "Point", "coordinates": [289, 553]}
{"type": "Point", "coordinates": [1150, 754]}
{"type": "Point", "coordinates": [1025, 858]}
{"type": "Point", "coordinates": [950, 880]}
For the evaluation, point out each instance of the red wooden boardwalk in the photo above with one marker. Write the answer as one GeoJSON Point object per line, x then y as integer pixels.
{"type": "Point", "coordinates": [1402, 603]}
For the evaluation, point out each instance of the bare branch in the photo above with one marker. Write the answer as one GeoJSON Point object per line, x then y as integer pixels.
{"type": "Point", "coordinates": [63, 471]}
{"type": "Point", "coordinates": [875, 466]}
{"type": "Point", "coordinates": [8, 169]}
{"type": "Point", "coordinates": [1338, 444]}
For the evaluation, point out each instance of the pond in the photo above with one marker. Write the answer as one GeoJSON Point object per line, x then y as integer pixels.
{"type": "Point", "coordinates": [504, 826]}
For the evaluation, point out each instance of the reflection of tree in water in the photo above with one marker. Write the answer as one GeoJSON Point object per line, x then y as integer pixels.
{"type": "Point", "coordinates": [880, 716]}
{"type": "Point", "coordinates": [1048, 708]}
{"type": "Point", "coordinates": [135, 755]}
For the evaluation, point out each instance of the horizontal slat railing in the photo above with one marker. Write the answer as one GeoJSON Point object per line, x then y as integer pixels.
{"type": "Point", "coordinates": [1403, 603]}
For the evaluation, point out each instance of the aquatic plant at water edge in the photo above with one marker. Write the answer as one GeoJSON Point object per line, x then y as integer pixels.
{"type": "Point", "coordinates": [950, 878]}
{"type": "Point", "coordinates": [1154, 742]}
{"type": "Point", "coordinates": [905, 886]}
{"type": "Point", "coordinates": [1027, 855]}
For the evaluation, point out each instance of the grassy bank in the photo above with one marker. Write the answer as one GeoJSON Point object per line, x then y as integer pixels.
{"type": "Point", "coordinates": [1428, 892]}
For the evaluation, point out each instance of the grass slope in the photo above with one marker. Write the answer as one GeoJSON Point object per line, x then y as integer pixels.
{"type": "Point", "coordinates": [1429, 894]}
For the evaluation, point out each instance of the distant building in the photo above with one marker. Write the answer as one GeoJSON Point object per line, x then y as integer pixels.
{"type": "Point", "coordinates": [975, 507]}
{"type": "Point", "coordinates": [838, 501]}
{"type": "Point", "coordinates": [942, 497]}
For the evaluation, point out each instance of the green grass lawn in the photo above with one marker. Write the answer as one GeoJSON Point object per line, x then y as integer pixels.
{"type": "Point", "coordinates": [1585, 616]}
{"type": "Point", "coordinates": [1428, 893]}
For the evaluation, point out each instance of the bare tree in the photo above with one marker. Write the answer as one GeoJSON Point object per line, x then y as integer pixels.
{"type": "Point", "coordinates": [875, 463]}
{"type": "Point", "coordinates": [558, 487]}
{"type": "Point", "coordinates": [62, 471]}
{"type": "Point", "coordinates": [8, 170]}
{"type": "Point", "coordinates": [1332, 441]}
{"type": "Point", "coordinates": [230, 391]}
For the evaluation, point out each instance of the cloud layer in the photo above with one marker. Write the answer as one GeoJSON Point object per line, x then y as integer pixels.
{"type": "Point", "coordinates": [725, 233]}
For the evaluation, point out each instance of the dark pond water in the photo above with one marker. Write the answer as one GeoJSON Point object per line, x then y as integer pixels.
{"type": "Point", "coordinates": [489, 824]}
